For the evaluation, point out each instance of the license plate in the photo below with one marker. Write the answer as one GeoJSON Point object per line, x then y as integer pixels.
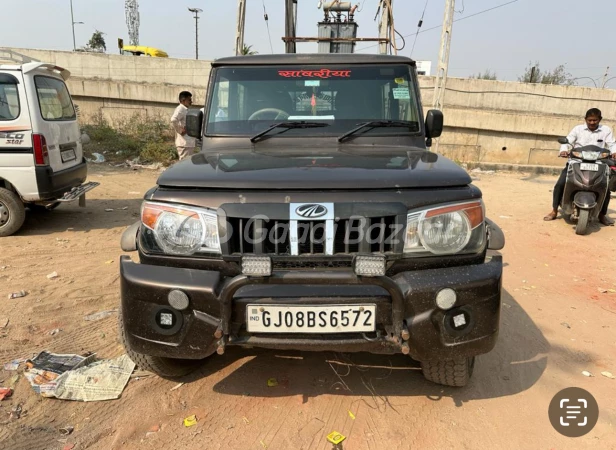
{"type": "Point", "coordinates": [591, 167]}
{"type": "Point", "coordinates": [68, 155]}
{"type": "Point", "coordinates": [311, 319]}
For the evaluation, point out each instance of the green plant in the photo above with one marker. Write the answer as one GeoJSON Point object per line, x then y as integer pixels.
{"type": "Point", "coordinates": [146, 136]}
{"type": "Point", "coordinates": [158, 152]}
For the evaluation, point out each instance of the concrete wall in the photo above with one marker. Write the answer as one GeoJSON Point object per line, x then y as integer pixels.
{"type": "Point", "coordinates": [488, 121]}
{"type": "Point", "coordinates": [141, 69]}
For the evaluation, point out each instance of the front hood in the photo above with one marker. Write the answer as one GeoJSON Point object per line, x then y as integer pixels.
{"type": "Point", "coordinates": [344, 167]}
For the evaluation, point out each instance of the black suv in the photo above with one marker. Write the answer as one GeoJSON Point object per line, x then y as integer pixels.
{"type": "Point", "coordinates": [314, 218]}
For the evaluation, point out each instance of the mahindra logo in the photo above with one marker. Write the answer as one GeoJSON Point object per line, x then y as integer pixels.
{"type": "Point", "coordinates": [311, 211]}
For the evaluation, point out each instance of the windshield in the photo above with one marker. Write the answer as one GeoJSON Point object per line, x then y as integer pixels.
{"type": "Point", "coordinates": [248, 100]}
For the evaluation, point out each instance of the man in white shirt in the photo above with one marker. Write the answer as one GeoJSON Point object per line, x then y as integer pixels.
{"type": "Point", "coordinates": [592, 133]}
{"type": "Point", "coordinates": [184, 143]}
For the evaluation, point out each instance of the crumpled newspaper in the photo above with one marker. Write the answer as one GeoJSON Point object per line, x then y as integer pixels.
{"type": "Point", "coordinates": [75, 377]}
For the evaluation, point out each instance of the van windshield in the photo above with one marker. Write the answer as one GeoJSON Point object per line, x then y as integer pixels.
{"type": "Point", "coordinates": [54, 100]}
{"type": "Point", "coordinates": [247, 100]}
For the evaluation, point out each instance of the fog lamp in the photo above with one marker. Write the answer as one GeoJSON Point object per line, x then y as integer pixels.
{"type": "Point", "coordinates": [178, 300]}
{"type": "Point", "coordinates": [257, 266]}
{"type": "Point", "coordinates": [369, 266]}
{"type": "Point", "coordinates": [446, 299]}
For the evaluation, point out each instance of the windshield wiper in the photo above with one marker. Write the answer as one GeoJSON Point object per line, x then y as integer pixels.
{"type": "Point", "coordinates": [288, 126]}
{"type": "Point", "coordinates": [377, 124]}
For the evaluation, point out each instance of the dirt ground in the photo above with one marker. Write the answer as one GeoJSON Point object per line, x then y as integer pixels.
{"type": "Point", "coordinates": [556, 322]}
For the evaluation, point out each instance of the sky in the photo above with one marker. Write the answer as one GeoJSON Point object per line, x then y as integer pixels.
{"type": "Point", "coordinates": [504, 40]}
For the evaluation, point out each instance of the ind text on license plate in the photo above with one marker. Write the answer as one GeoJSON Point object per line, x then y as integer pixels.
{"type": "Point", "coordinates": [591, 167]}
{"type": "Point", "coordinates": [311, 319]}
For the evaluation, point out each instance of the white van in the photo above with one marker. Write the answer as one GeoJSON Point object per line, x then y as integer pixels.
{"type": "Point", "coordinates": [41, 158]}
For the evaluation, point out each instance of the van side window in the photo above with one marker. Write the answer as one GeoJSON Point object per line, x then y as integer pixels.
{"type": "Point", "coordinates": [54, 100]}
{"type": "Point", "coordinates": [9, 99]}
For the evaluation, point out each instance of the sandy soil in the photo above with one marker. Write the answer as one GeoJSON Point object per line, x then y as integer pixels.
{"type": "Point", "coordinates": [555, 324]}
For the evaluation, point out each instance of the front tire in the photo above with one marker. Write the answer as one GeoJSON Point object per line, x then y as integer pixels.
{"type": "Point", "coordinates": [450, 372]}
{"type": "Point", "coordinates": [163, 367]}
{"type": "Point", "coordinates": [12, 213]}
{"type": "Point", "coordinates": [582, 222]}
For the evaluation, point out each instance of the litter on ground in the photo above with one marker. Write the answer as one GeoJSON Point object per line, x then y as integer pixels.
{"type": "Point", "coordinates": [78, 377]}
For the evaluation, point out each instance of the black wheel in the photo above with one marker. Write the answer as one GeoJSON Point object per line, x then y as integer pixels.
{"type": "Point", "coordinates": [163, 367]}
{"type": "Point", "coordinates": [42, 208]}
{"type": "Point", "coordinates": [582, 222]}
{"type": "Point", "coordinates": [12, 212]}
{"type": "Point", "coordinates": [450, 372]}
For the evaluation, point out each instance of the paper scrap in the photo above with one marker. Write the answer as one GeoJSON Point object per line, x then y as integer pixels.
{"type": "Point", "coordinates": [5, 393]}
{"type": "Point", "coordinates": [351, 415]}
{"type": "Point", "coordinates": [101, 380]}
{"type": "Point", "coordinates": [52, 275]}
{"type": "Point", "coordinates": [19, 294]}
{"type": "Point", "coordinates": [608, 375]}
{"type": "Point", "coordinates": [263, 444]}
{"type": "Point", "coordinates": [335, 438]}
{"type": "Point", "coordinates": [177, 386]}
{"type": "Point", "coordinates": [190, 421]}
{"type": "Point", "coordinates": [587, 373]}
{"type": "Point", "coordinates": [78, 377]}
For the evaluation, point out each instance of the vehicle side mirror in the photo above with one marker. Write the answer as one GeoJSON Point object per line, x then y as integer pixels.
{"type": "Point", "coordinates": [563, 140]}
{"type": "Point", "coordinates": [194, 123]}
{"type": "Point", "coordinates": [434, 123]}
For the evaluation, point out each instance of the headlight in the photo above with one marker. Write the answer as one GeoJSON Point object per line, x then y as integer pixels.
{"type": "Point", "coordinates": [180, 230]}
{"type": "Point", "coordinates": [590, 156]}
{"type": "Point", "coordinates": [446, 230]}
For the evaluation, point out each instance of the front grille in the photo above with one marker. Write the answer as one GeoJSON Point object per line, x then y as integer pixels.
{"type": "Point", "coordinates": [303, 265]}
{"type": "Point", "coordinates": [350, 236]}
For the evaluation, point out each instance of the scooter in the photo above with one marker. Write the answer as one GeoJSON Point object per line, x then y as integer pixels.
{"type": "Point", "coordinates": [588, 179]}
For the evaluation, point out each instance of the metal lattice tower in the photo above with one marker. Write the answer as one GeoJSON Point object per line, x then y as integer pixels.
{"type": "Point", "coordinates": [132, 21]}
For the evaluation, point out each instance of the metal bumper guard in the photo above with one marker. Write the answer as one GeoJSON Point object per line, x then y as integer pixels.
{"type": "Point", "coordinates": [417, 326]}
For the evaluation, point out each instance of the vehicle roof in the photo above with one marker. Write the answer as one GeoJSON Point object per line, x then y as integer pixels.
{"type": "Point", "coordinates": [312, 58]}
{"type": "Point", "coordinates": [31, 66]}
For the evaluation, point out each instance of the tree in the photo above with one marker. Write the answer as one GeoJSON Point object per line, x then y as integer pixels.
{"type": "Point", "coordinates": [487, 75]}
{"type": "Point", "coordinates": [558, 75]}
{"type": "Point", "coordinates": [247, 50]}
{"type": "Point", "coordinates": [96, 43]}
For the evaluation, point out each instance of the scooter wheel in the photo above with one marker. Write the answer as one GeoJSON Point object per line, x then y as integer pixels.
{"type": "Point", "coordinates": [582, 223]}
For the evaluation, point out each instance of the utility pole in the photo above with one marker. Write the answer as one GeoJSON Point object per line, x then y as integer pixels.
{"type": "Point", "coordinates": [241, 22]}
{"type": "Point", "coordinates": [73, 23]}
{"type": "Point", "coordinates": [196, 11]}
{"type": "Point", "coordinates": [384, 32]}
{"type": "Point", "coordinates": [291, 25]}
{"type": "Point", "coordinates": [443, 57]}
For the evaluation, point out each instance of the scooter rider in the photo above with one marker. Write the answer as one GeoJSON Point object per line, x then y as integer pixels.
{"type": "Point", "coordinates": [592, 133]}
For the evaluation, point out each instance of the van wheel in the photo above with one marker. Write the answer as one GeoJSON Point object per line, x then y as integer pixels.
{"type": "Point", "coordinates": [449, 372]}
{"type": "Point", "coordinates": [12, 212]}
{"type": "Point", "coordinates": [163, 367]}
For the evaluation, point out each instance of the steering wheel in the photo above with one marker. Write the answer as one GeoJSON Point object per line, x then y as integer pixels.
{"type": "Point", "coordinates": [280, 114]}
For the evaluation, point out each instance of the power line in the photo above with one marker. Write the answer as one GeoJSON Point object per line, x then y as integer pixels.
{"type": "Point", "coordinates": [456, 20]}
{"type": "Point", "coordinates": [266, 17]}
{"type": "Point", "coordinates": [419, 26]}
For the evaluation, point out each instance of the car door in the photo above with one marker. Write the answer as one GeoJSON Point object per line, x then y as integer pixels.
{"type": "Point", "coordinates": [54, 117]}
{"type": "Point", "coordinates": [16, 150]}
